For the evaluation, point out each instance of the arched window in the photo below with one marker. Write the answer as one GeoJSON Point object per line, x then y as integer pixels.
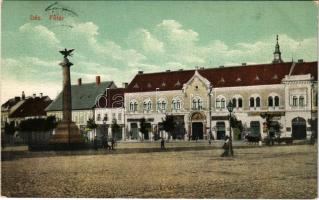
{"type": "Point", "coordinates": [131, 106]}
{"type": "Point", "coordinates": [163, 105]}
{"type": "Point", "coordinates": [294, 101]}
{"type": "Point", "coordinates": [145, 105]}
{"type": "Point", "coordinates": [149, 105]}
{"type": "Point", "coordinates": [276, 101]}
{"type": "Point", "coordinates": [270, 102]}
{"type": "Point", "coordinates": [258, 102]}
{"type": "Point", "coordinates": [301, 101]}
{"type": "Point", "coordinates": [240, 102]}
{"type": "Point", "coordinates": [197, 103]}
{"type": "Point", "coordinates": [217, 103]}
{"type": "Point", "coordinates": [234, 103]}
{"type": "Point", "coordinates": [176, 104]}
{"type": "Point", "coordinates": [251, 102]}
{"type": "Point", "coordinates": [223, 103]}
{"type": "Point", "coordinates": [135, 106]}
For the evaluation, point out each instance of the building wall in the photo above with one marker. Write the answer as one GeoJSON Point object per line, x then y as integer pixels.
{"type": "Point", "coordinates": [80, 117]}
{"type": "Point", "coordinates": [198, 87]}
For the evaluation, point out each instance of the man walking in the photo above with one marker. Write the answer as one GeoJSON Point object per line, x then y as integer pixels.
{"type": "Point", "coordinates": [162, 143]}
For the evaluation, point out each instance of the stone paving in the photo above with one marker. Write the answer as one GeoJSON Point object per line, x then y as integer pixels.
{"type": "Point", "coordinates": [261, 172]}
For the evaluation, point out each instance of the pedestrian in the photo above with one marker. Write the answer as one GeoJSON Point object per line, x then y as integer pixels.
{"type": "Point", "coordinates": [226, 147]}
{"type": "Point", "coordinates": [95, 142]}
{"type": "Point", "coordinates": [112, 143]}
{"type": "Point", "coordinates": [162, 143]}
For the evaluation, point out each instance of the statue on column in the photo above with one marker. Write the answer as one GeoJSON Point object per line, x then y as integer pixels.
{"type": "Point", "coordinates": [67, 134]}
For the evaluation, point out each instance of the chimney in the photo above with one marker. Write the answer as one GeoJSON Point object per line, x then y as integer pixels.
{"type": "Point", "coordinates": [202, 68]}
{"type": "Point", "coordinates": [180, 70]}
{"type": "Point", "coordinates": [243, 64]}
{"type": "Point", "coordinates": [79, 81]}
{"type": "Point", "coordinates": [300, 60]}
{"type": "Point", "coordinates": [98, 80]}
{"type": "Point", "coordinates": [41, 95]}
{"type": "Point", "coordinates": [124, 85]}
{"type": "Point", "coordinates": [23, 95]}
{"type": "Point", "coordinates": [221, 66]}
{"type": "Point", "coordinates": [34, 95]}
{"type": "Point", "coordinates": [17, 98]}
{"type": "Point", "coordinates": [140, 72]}
{"type": "Point", "coordinates": [168, 70]}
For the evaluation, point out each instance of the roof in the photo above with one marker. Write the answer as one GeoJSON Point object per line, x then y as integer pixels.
{"type": "Point", "coordinates": [83, 96]}
{"type": "Point", "coordinates": [10, 103]}
{"type": "Point", "coordinates": [260, 74]}
{"type": "Point", "coordinates": [113, 99]}
{"type": "Point", "coordinates": [31, 107]}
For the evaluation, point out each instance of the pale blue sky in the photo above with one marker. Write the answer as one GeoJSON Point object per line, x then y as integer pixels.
{"type": "Point", "coordinates": [116, 39]}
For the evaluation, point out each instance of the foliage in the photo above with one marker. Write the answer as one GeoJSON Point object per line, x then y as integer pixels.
{"type": "Point", "coordinates": [91, 124]}
{"type": "Point", "coordinates": [143, 127]}
{"type": "Point", "coordinates": [169, 124]}
{"type": "Point", "coordinates": [235, 123]}
{"type": "Point", "coordinates": [38, 124]}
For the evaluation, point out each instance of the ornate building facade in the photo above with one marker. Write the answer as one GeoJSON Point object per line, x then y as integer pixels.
{"type": "Point", "coordinates": [285, 92]}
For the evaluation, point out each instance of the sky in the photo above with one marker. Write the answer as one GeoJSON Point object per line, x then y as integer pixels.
{"type": "Point", "coordinates": [116, 39]}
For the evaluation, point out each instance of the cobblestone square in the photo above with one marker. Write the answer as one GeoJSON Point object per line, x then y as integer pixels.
{"type": "Point", "coordinates": [261, 172]}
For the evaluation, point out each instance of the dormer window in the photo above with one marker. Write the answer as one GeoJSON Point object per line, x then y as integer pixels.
{"type": "Point", "coordinates": [238, 79]}
{"type": "Point", "coordinates": [136, 86]}
{"type": "Point", "coordinates": [222, 80]}
{"type": "Point", "coordinates": [149, 85]}
{"type": "Point", "coordinates": [275, 76]}
{"type": "Point", "coordinates": [163, 84]}
{"type": "Point", "coordinates": [177, 83]}
{"type": "Point", "coordinates": [257, 78]}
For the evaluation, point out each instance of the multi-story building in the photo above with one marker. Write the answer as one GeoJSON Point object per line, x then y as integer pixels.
{"type": "Point", "coordinates": [283, 92]}
{"type": "Point", "coordinates": [84, 97]}
{"type": "Point", "coordinates": [109, 112]}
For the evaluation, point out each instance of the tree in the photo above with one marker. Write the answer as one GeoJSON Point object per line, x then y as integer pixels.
{"type": "Point", "coordinates": [115, 127]}
{"type": "Point", "coordinates": [169, 124]}
{"type": "Point", "coordinates": [90, 124]}
{"type": "Point", "coordinates": [237, 126]}
{"type": "Point", "coordinates": [143, 127]}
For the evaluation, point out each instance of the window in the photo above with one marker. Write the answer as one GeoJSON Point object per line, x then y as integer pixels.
{"type": "Point", "coordinates": [105, 117]}
{"type": "Point", "coordinates": [98, 117]}
{"type": "Point", "coordinates": [176, 104]}
{"type": "Point", "coordinates": [131, 106]}
{"type": "Point", "coordinates": [161, 105]}
{"type": "Point", "coordinates": [301, 101]}
{"type": "Point", "coordinates": [234, 103]}
{"type": "Point", "coordinates": [223, 104]}
{"type": "Point", "coordinates": [294, 101]}
{"type": "Point", "coordinates": [240, 102]}
{"type": "Point", "coordinates": [251, 102]}
{"type": "Point", "coordinates": [258, 102]}
{"type": "Point", "coordinates": [119, 116]}
{"type": "Point", "coordinates": [147, 105]}
{"type": "Point", "coordinates": [270, 102]}
{"type": "Point", "coordinates": [135, 106]}
{"type": "Point", "coordinates": [197, 104]}
{"type": "Point", "coordinates": [113, 116]}
{"type": "Point", "coordinates": [217, 103]}
{"type": "Point", "coordinates": [276, 101]}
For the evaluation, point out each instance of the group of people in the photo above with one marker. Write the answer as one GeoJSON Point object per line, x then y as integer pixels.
{"type": "Point", "coordinates": [105, 143]}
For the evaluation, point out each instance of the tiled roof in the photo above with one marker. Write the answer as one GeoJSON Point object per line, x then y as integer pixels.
{"type": "Point", "coordinates": [31, 107]}
{"type": "Point", "coordinates": [249, 75]}
{"type": "Point", "coordinates": [83, 96]}
{"type": "Point", "coordinates": [10, 103]}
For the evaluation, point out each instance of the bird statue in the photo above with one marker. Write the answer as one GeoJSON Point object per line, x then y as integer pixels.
{"type": "Point", "coordinates": [66, 52]}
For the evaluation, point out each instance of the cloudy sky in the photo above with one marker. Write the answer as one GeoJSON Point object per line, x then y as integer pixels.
{"type": "Point", "coordinates": [116, 39]}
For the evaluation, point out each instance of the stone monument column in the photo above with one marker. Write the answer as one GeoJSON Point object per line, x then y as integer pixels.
{"type": "Point", "coordinates": [67, 95]}
{"type": "Point", "coordinates": [67, 134]}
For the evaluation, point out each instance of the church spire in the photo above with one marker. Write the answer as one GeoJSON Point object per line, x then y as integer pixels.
{"type": "Point", "coordinates": [277, 53]}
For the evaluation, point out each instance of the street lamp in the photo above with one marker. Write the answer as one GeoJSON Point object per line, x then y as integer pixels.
{"type": "Point", "coordinates": [210, 112]}
{"type": "Point", "coordinates": [230, 110]}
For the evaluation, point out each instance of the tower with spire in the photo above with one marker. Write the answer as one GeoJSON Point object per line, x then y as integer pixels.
{"type": "Point", "coordinates": [277, 53]}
